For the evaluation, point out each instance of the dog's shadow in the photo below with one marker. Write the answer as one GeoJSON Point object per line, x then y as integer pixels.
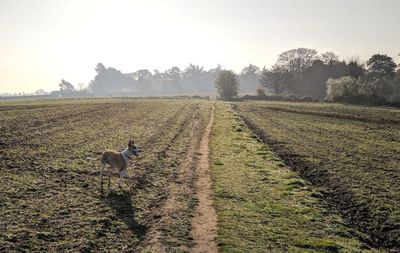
{"type": "Point", "coordinates": [121, 203]}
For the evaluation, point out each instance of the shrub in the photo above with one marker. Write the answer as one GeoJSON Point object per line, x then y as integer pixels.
{"type": "Point", "coordinates": [261, 92]}
{"type": "Point", "coordinates": [350, 90]}
{"type": "Point", "coordinates": [227, 84]}
{"type": "Point", "coordinates": [342, 89]}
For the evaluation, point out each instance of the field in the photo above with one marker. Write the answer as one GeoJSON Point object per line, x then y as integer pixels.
{"type": "Point", "coordinates": [50, 189]}
{"type": "Point", "coordinates": [213, 176]}
{"type": "Point", "coordinates": [262, 205]}
{"type": "Point", "coordinates": [352, 153]}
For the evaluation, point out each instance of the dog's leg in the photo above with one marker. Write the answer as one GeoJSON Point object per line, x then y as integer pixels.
{"type": "Point", "coordinates": [101, 176]}
{"type": "Point", "coordinates": [109, 177]}
{"type": "Point", "coordinates": [120, 180]}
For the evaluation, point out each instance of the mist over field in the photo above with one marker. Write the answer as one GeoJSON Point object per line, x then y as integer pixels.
{"type": "Point", "coordinates": [163, 48]}
{"type": "Point", "coordinates": [199, 126]}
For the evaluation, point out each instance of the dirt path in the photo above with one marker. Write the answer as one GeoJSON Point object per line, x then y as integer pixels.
{"type": "Point", "coordinates": [204, 222]}
{"type": "Point", "coordinates": [177, 219]}
{"type": "Point", "coordinates": [166, 229]}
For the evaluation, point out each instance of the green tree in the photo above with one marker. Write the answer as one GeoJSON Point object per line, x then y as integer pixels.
{"type": "Point", "coordinates": [227, 84]}
{"type": "Point", "coordinates": [381, 66]}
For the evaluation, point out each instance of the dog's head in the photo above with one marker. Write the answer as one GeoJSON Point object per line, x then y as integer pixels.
{"type": "Point", "coordinates": [133, 149]}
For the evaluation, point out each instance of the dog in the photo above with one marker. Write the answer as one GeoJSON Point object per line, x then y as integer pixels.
{"type": "Point", "coordinates": [119, 161]}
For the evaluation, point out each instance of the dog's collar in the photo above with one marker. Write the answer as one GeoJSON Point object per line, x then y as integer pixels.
{"type": "Point", "coordinates": [125, 155]}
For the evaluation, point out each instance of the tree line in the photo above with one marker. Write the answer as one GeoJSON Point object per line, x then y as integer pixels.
{"type": "Point", "coordinates": [303, 71]}
{"type": "Point", "coordinates": [297, 72]}
{"type": "Point", "coordinates": [193, 80]}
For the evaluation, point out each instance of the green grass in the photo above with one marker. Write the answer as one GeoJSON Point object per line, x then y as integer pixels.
{"type": "Point", "coordinates": [352, 152]}
{"type": "Point", "coordinates": [262, 205]}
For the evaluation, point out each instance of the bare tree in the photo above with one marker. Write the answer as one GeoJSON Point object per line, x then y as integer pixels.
{"type": "Point", "coordinates": [248, 79]}
{"type": "Point", "coordinates": [193, 79]}
{"type": "Point", "coordinates": [296, 60]}
{"type": "Point", "coordinates": [81, 86]}
{"type": "Point", "coordinates": [143, 81]}
{"type": "Point", "coordinates": [172, 81]}
{"type": "Point", "coordinates": [100, 68]}
{"type": "Point", "coordinates": [329, 58]}
{"type": "Point", "coordinates": [355, 68]}
{"type": "Point", "coordinates": [110, 81]}
{"type": "Point", "coordinates": [66, 86]}
{"type": "Point", "coordinates": [278, 79]}
{"type": "Point", "coordinates": [40, 92]}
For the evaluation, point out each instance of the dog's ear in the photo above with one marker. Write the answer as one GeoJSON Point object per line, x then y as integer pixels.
{"type": "Point", "coordinates": [130, 143]}
{"type": "Point", "coordinates": [133, 141]}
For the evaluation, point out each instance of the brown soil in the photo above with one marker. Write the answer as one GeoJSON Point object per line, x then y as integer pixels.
{"type": "Point", "coordinates": [204, 222]}
{"type": "Point", "coordinates": [154, 241]}
{"type": "Point", "coordinates": [51, 194]}
{"type": "Point", "coordinates": [178, 214]}
{"type": "Point", "coordinates": [165, 214]}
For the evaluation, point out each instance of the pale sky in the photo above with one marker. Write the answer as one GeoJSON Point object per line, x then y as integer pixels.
{"type": "Point", "coordinates": [44, 41]}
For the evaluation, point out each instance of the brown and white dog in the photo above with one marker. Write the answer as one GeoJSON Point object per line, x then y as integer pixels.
{"type": "Point", "coordinates": [119, 161]}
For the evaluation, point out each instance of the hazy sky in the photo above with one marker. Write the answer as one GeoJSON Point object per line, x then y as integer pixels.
{"type": "Point", "coordinates": [43, 41]}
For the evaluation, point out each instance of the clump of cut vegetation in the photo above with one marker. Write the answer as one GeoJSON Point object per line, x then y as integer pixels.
{"type": "Point", "coordinates": [351, 152]}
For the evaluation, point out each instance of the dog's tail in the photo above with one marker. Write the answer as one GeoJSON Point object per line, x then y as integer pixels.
{"type": "Point", "coordinates": [91, 158]}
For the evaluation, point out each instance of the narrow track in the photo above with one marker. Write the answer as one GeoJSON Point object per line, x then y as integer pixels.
{"type": "Point", "coordinates": [204, 222]}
